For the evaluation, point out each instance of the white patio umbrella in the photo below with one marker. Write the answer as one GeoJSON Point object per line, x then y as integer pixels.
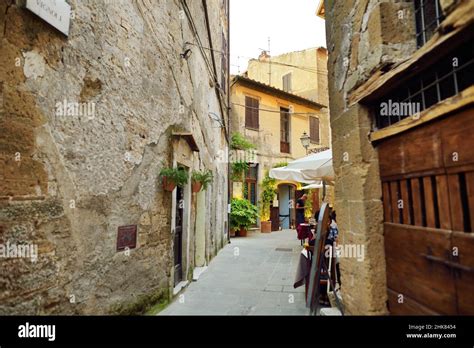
{"type": "Point", "coordinates": [284, 173]}
{"type": "Point", "coordinates": [315, 185]}
{"type": "Point", "coordinates": [317, 166]}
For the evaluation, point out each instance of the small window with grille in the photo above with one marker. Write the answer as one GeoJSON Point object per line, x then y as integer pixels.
{"type": "Point", "coordinates": [428, 16]}
{"type": "Point", "coordinates": [445, 78]}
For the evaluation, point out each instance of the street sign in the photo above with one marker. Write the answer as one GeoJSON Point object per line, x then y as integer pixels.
{"type": "Point", "coordinates": [55, 12]}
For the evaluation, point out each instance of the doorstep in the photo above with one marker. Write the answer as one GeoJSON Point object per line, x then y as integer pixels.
{"type": "Point", "coordinates": [180, 286]}
{"type": "Point", "coordinates": [330, 311]}
{"type": "Point", "coordinates": [197, 271]}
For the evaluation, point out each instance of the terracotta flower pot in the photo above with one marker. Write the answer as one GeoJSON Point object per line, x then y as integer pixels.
{"type": "Point", "coordinates": [243, 232]}
{"type": "Point", "coordinates": [232, 232]}
{"type": "Point", "coordinates": [168, 185]}
{"type": "Point", "coordinates": [265, 226]}
{"type": "Point", "coordinates": [196, 186]}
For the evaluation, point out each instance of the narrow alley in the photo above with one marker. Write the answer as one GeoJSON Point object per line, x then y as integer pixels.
{"type": "Point", "coordinates": [251, 276]}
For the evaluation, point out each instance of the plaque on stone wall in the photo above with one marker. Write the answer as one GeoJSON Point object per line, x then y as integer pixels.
{"type": "Point", "coordinates": [127, 237]}
{"type": "Point", "coordinates": [55, 12]}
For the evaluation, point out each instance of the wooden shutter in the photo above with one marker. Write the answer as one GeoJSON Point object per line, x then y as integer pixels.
{"type": "Point", "coordinates": [314, 129]}
{"type": "Point", "coordinates": [251, 113]}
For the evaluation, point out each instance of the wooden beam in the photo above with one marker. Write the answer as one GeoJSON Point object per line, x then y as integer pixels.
{"type": "Point", "coordinates": [189, 139]}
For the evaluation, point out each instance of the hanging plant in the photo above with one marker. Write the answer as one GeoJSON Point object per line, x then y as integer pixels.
{"type": "Point", "coordinates": [173, 177]}
{"type": "Point", "coordinates": [201, 180]}
{"type": "Point", "coordinates": [238, 170]}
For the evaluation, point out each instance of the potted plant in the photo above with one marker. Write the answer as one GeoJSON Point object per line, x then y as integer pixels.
{"type": "Point", "coordinates": [266, 198]}
{"type": "Point", "coordinates": [173, 177]}
{"type": "Point", "coordinates": [200, 180]}
{"type": "Point", "coordinates": [243, 214]}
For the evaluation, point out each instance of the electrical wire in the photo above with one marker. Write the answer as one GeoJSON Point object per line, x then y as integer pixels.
{"type": "Point", "coordinates": [197, 37]}
{"type": "Point", "coordinates": [206, 48]}
{"type": "Point", "coordinates": [275, 111]}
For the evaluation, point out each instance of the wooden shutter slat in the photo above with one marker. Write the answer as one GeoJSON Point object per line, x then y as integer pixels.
{"type": "Point", "coordinates": [457, 220]}
{"type": "Point", "coordinates": [416, 197]}
{"type": "Point", "coordinates": [429, 202]}
{"type": "Point", "coordinates": [406, 202]}
{"type": "Point", "coordinates": [386, 202]}
{"type": "Point", "coordinates": [443, 202]}
{"type": "Point", "coordinates": [394, 197]}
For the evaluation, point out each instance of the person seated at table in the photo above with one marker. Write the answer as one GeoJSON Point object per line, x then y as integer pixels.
{"type": "Point", "coordinates": [300, 209]}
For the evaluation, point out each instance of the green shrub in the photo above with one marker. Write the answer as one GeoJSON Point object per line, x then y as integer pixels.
{"type": "Point", "coordinates": [238, 170]}
{"type": "Point", "coordinates": [242, 214]}
{"type": "Point", "coordinates": [239, 142]}
{"type": "Point", "coordinates": [268, 187]}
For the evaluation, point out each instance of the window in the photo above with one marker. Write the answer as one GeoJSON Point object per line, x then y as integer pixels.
{"type": "Point", "coordinates": [251, 113]}
{"type": "Point", "coordinates": [287, 82]}
{"type": "Point", "coordinates": [445, 78]}
{"type": "Point", "coordinates": [284, 130]}
{"type": "Point", "coordinates": [428, 16]}
{"type": "Point", "coordinates": [314, 129]}
{"type": "Point", "coordinates": [250, 191]}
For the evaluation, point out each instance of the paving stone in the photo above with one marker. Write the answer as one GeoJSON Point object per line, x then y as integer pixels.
{"type": "Point", "coordinates": [257, 282]}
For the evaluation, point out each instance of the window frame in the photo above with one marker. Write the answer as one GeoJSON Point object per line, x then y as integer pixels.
{"type": "Point", "coordinates": [422, 29]}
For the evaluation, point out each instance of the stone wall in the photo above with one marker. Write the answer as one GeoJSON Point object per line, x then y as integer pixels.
{"type": "Point", "coordinates": [363, 36]}
{"type": "Point", "coordinates": [68, 180]}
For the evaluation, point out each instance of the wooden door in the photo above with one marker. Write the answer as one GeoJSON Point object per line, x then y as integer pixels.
{"type": "Point", "coordinates": [428, 197]}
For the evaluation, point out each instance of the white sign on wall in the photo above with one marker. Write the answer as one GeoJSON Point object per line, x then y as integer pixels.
{"type": "Point", "coordinates": [55, 12]}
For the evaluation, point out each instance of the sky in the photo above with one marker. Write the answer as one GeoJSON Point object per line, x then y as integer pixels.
{"type": "Point", "coordinates": [292, 25]}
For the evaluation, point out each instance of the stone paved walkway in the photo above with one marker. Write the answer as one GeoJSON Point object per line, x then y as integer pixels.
{"type": "Point", "coordinates": [253, 275]}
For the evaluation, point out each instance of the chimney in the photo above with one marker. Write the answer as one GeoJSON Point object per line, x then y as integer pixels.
{"type": "Point", "coordinates": [264, 56]}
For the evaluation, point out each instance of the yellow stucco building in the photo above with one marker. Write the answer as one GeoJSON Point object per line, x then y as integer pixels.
{"type": "Point", "coordinates": [274, 120]}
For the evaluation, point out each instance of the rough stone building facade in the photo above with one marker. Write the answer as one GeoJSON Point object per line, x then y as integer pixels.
{"type": "Point", "coordinates": [86, 123]}
{"type": "Point", "coordinates": [394, 181]}
{"type": "Point", "coordinates": [303, 73]}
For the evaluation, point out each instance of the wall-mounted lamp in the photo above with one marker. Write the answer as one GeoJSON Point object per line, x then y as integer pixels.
{"type": "Point", "coordinates": [305, 140]}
